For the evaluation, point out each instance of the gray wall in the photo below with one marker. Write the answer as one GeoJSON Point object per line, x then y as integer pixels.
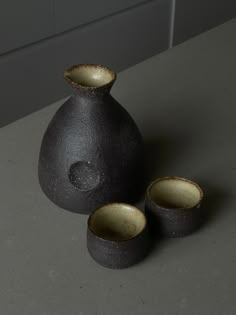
{"type": "Point", "coordinates": [39, 39]}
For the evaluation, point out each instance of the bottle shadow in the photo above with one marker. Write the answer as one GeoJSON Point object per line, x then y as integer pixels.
{"type": "Point", "coordinates": [161, 153]}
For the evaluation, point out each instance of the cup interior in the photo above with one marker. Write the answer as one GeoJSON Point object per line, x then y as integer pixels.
{"type": "Point", "coordinates": [175, 193]}
{"type": "Point", "coordinates": [117, 222]}
{"type": "Point", "coordinates": [89, 75]}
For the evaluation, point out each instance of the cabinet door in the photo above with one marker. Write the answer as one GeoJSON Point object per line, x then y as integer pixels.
{"type": "Point", "coordinates": [23, 22]}
{"type": "Point", "coordinates": [194, 17]}
{"type": "Point", "coordinates": [124, 40]}
{"type": "Point", "coordinates": [72, 13]}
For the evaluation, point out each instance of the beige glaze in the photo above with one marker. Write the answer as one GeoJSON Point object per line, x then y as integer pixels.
{"type": "Point", "coordinates": [90, 75]}
{"type": "Point", "coordinates": [175, 193]}
{"type": "Point", "coordinates": [117, 221]}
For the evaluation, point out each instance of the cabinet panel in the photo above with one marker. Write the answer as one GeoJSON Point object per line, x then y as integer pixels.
{"type": "Point", "coordinates": [32, 78]}
{"type": "Point", "coordinates": [23, 22]}
{"type": "Point", "coordinates": [119, 41]}
{"type": "Point", "coordinates": [193, 17]}
{"type": "Point", "coordinates": [72, 13]}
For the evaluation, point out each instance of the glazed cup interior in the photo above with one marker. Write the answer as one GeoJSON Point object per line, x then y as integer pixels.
{"type": "Point", "coordinates": [175, 193]}
{"type": "Point", "coordinates": [90, 75]}
{"type": "Point", "coordinates": [117, 222]}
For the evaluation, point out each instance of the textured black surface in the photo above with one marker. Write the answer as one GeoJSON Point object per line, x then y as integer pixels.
{"type": "Point", "coordinates": [91, 153]}
{"type": "Point", "coordinates": [173, 222]}
{"type": "Point", "coordinates": [118, 254]}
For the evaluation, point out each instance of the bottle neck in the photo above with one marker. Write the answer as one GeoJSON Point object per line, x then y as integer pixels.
{"type": "Point", "coordinates": [91, 92]}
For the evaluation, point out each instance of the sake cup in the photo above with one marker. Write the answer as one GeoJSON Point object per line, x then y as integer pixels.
{"type": "Point", "coordinates": [173, 206]}
{"type": "Point", "coordinates": [117, 235]}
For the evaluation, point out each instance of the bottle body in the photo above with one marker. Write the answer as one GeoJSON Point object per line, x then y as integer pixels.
{"type": "Point", "coordinates": [91, 154]}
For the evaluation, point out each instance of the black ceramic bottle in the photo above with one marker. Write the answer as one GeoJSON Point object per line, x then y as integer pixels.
{"type": "Point", "coordinates": [92, 151]}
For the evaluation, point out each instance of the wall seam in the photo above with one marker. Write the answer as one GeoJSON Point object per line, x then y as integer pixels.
{"type": "Point", "coordinates": [172, 23]}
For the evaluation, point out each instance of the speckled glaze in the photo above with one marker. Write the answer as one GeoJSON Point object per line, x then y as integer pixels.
{"type": "Point", "coordinates": [173, 221]}
{"type": "Point", "coordinates": [118, 253]}
{"type": "Point", "coordinates": [92, 150]}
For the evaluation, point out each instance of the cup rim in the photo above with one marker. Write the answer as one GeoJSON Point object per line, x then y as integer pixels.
{"type": "Point", "coordinates": [159, 179]}
{"type": "Point", "coordinates": [116, 240]}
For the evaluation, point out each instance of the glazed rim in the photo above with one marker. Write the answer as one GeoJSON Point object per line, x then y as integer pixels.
{"type": "Point", "coordinates": [174, 193]}
{"type": "Point", "coordinates": [117, 222]}
{"type": "Point", "coordinates": [89, 76]}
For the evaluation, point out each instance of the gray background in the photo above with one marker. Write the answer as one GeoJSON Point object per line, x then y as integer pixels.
{"type": "Point", "coordinates": [39, 39]}
{"type": "Point", "coordinates": [186, 113]}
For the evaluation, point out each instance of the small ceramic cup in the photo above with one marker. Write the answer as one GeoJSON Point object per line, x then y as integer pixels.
{"type": "Point", "coordinates": [117, 235]}
{"type": "Point", "coordinates": [172, 206]}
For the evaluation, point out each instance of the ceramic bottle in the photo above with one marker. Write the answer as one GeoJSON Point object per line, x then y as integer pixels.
{"type": "Point", "coordinates": [92, 151]}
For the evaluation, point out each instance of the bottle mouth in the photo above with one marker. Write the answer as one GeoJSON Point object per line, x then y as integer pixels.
{"type": "Point", "coordinates": [90, 76]}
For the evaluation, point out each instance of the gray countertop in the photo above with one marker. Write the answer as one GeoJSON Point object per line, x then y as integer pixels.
{"type": "Point", "coordinates": [184, 102]}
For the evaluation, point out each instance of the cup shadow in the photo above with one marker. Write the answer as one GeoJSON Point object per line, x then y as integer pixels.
{"type": "Point", "coordinates": [213, 203]}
